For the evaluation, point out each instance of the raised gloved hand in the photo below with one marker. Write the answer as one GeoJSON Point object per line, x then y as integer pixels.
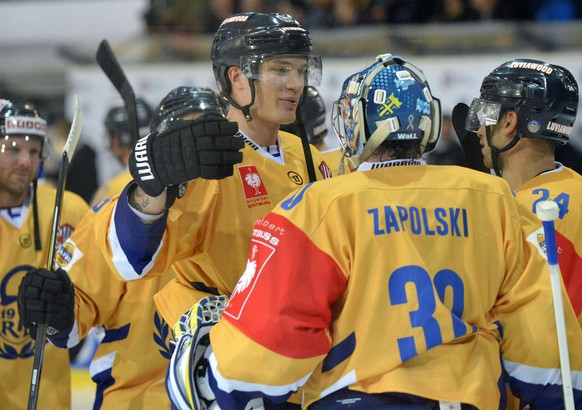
{"type": "Point", "coordinates": [46, 296]}
{"type": "Point", "coordinates": [468, 139]}
{"type": "Point", "coordinates": [206, 147]}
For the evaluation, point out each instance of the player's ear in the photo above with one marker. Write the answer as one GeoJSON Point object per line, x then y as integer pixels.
{"type": "Point", "coordinates": [236, 77]}
{"type": "Point", "coordinates": [510, 123]}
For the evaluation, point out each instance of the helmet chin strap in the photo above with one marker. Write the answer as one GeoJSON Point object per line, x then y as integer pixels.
{"type": "Point", "coordinates": [496, 151]}
{"type": "Point", "coordinates": [246, 109]}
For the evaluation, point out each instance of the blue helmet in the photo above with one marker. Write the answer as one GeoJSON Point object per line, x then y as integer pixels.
{"type": "Point", "coordinates": [390, 100]}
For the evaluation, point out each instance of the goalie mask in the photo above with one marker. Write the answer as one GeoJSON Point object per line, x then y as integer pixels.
{"type": "Point", "coordinates": [249, 40]}
{"type": "Point", "coordinates": [185, 100]}
{"type": "Point", "coordinates": [390, 100]}
{"type": "Point", "coordinates": [545, 97]}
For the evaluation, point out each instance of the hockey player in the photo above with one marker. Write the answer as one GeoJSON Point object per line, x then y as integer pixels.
{"type": "Point", "coordinates": [526, 109]}
{"type": "Point", "coordinates": [121, 142]}
{"type": "Point", "coordinates": [262, 62]}
{"type": "Point", "coordinates": [313, 116]}
{"type": "Point", "coordinates": [354, 287]}
{"type": "Point", "coordinates": [26, 212]}
{"type": "Point", "coordinates": [130, 362]}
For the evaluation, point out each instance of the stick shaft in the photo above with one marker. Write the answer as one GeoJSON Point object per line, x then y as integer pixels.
{"type": "Point", "coordinates": [41, 330]}
{"type": "Point", "coordinates": [555, 281]}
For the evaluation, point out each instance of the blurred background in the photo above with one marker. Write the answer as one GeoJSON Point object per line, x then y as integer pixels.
{"type": "Point", "coordinates": [49, 46]}
{"type": "Point", "coordinates": [48, 56]}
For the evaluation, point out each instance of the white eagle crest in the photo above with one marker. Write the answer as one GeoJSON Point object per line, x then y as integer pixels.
{"type": "Point", "coordinates": [254, 180]}
{"type": "Point", "coordinates": [247, 276]}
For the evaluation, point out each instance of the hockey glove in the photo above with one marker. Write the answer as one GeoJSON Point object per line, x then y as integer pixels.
{"type": "Point", "coordinates": [186, 378]}
{"type": "Point", "coordinates": [206, 147]}
{"type": "Point", "coordinates": [46, 296]}
{"type": "Point", "coordinates": [468, 139]}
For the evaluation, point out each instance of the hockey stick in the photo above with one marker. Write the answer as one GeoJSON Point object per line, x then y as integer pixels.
{"type": "Point", "coordinates": [303, 136]}
{"type": "Point", "coordinates": [41, 331]}
{"type": "Point", "coordinates": [305, 144]}
{"type": "Point", "coordinates": [548, 212]}
{"type": "Point", "coordinates": [112, 69]}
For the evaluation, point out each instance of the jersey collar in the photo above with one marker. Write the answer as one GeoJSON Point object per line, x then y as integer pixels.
{"type": "Point", "coordinates": [366, 166]}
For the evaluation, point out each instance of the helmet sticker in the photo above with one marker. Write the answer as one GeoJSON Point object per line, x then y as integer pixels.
{"type": "Point", "coordinates": [532, 66]}
{"type": "Point", "coordinates": [534, 126]}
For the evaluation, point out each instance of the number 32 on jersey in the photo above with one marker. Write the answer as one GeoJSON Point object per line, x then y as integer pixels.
{"type": "Point", "coordinates": [423, 317]}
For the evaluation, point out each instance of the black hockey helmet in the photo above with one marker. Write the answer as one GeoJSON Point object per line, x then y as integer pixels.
{"type": "Point", "coordinates": [313, 112]}
{"type": "Point", "coordinates": [545, 97]}
{"type": "Point", "coordinates": [246, 39]}
{"type": "Point", "coordinates": [117, 125]}
{"type": "Point", "coordinates": [184, 100]}
{"type": "Point", "coordinates": [18, 118]}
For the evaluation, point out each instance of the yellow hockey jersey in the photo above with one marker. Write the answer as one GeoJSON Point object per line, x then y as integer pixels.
{"type": "Point", "coordinates": [18, 256]}
{"type": "Point", "coordinates": [208, 230]}
{"type": "Point", "coordinates": [113, 186]}
{"type": "Point", "coordinates": [130, 362]}
{"type": "Point", "coordinates": [402, 279]}
{"type": "Point", "coordinates": [563, 186]}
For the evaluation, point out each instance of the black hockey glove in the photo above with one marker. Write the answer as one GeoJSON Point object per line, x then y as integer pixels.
{"type": "Point", "coordinates": [206, 147]}
{"type": "Point", "coordinates": [48, 297]}
{"type": "Point", "coordinates": [468, 139]}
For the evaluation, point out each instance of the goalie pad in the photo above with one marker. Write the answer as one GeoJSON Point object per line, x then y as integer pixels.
{"type": "Point", "coordinates": [186, 378]}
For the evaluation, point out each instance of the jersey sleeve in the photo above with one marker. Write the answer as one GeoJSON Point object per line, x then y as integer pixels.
{"type": "Point", "coordinates": [135, 249]}
{"type": "Point", "coordinates": [276, 284]}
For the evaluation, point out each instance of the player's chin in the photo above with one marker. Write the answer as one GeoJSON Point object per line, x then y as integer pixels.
{"type": "Point", "coordinates": [286, 117]}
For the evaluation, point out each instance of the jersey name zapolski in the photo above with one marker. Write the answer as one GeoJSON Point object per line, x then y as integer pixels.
{"type": "Point", "coordinates": [410, 286]}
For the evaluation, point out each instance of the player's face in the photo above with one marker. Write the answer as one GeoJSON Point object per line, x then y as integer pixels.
{"type": "Point", "coordinates": [496, 141]}
{"type": "Point", "coordinates": [279, 88]}
{"type": "Point", "coordinates": [19, 157]}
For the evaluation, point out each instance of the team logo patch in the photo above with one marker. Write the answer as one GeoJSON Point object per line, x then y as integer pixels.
{"type": "Point", "coordinates": [295, 177]}
{"type": "Point", "coordinates": [542, 242]}
{"type": "Point", "coordinates": [63, 233]}
{"type": "Point", "coordinates": [25, 240]}
{"type": "Point", "coordinates": [65, 254]}
{"type": "Point", "coordinates": [249, 278]}
{"type": "Point", "coordinates": [15, 341]}
{"type": "Point", "coordinates": [253, 187]}
{"type": "Point", "coordinates": [325, 170]}
{"type": "Point", "coordinates": [389, 106]}
{"type": "Point", "coordinates": [534, 127]}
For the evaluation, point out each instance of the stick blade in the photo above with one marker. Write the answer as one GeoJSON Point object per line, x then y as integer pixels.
{"type": "Point", "coordinates": [112, 69]}
{"type": "Point", "coordinates": [75, 131]}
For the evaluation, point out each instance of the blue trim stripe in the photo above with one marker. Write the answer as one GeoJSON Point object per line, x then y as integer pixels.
{"type": "Point", "coordinates": [114, 335]}
{"type": "Point", "coordinates": [138, 241]}
{"type": "Point", "coordinates": [339, 353]}
{"type": "Point", "coordinates": [103, 381]}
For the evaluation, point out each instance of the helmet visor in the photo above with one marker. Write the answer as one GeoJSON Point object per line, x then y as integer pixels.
{"type": "Point", "coordinates": [482, 113]}
{"type": "Point", "coordinates": [283, 69]}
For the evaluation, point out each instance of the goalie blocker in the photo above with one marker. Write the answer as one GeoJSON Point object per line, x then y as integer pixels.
{"type": "Point", "coordinates": [187, 377]}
